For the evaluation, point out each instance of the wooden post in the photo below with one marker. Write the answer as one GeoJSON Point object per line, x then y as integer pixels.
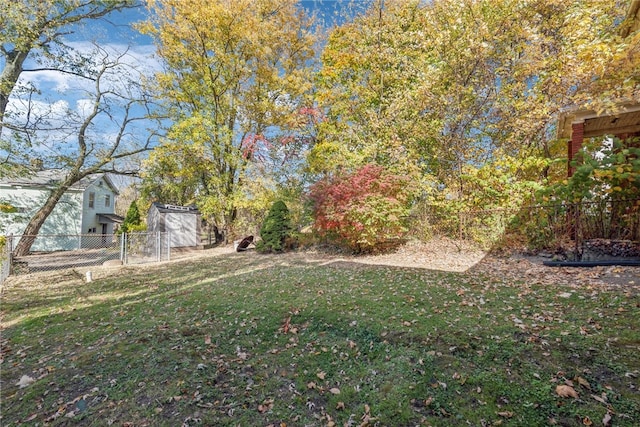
{"type": "Point", "coordinates": [574, 145]}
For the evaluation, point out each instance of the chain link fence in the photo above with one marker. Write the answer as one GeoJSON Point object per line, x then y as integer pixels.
{"type": "Point", "coordinates": [56, 251]}
{"type": "Point", "coordinates": [5, 259]}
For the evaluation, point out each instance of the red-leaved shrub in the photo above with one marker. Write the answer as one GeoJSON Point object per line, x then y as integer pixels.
{"type": "Point", "coordinates": [364, 210]}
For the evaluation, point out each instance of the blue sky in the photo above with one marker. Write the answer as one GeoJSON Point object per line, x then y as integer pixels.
{"type": "Point", "coordinates": [115, 33]}
{"type": "Point", "coordinates": [60, 92]}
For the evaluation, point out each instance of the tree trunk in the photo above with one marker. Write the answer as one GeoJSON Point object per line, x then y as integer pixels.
{"type": "Point", "coordinates": [8, 79]}
{"type": "Point", "coordinates": [29, 234]}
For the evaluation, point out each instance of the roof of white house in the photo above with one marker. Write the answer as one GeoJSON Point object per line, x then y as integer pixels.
{"type": "Point", "coordinates": [52, 177]}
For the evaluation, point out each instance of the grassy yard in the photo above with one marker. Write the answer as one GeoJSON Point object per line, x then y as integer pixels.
{"type": "Point", "coordinates": [254, 340]}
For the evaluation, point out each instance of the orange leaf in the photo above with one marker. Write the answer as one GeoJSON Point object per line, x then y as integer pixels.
{"type": "Point", "coordinates": [566, 391]}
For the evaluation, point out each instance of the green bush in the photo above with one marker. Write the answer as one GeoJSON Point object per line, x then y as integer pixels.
{"type": "Point", "coordinates": [3, 247]}
{"type": "Point", "coordinates": [132, 221]}
{"type": "Point", "coordinates": [275, 229]}
{"type": "Point", "coordinates": [137, 228]}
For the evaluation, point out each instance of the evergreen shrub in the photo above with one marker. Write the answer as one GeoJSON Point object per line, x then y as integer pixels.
{"type": "Point", "coordinates": [275, 229]}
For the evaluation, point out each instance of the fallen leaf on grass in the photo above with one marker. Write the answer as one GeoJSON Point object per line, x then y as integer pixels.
{"type": "Point", "coordinates": [321, 375]}
{"type": "Point", "coordinates": [265, 406]}
{"type": "Point", "coordinates": [35, 415]}
{"type": "Point", "coordinates": [587, 421]}
{"type": "Point", "coordinates": [606, 420]}
{"type": "Point", "coordinates": [311, 385]}
{"type": "Point", "coordinates": [505, 414]}
{"type": "Point", "coordinates": [566, 391]}
{"type": "Point", "coordinates": [584, 383]}
{"type": "Point", "coordinates": [25, 381]}
{"type": "Point", "coordinates": [242, 355]}
{"type": "Point", "coordinates": [334, 390]}
{"type": "Point", "coordinates": [61, 410]}
{"type": "Point", "coordinates": [600, 399]}
{"type": "Point", "coordinates": [340, 406]}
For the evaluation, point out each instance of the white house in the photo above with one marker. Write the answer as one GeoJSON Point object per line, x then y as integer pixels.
{"type": "Point", "coordinates": [88, 207]}
{"type": "Point", "coordinates": [182, 222]}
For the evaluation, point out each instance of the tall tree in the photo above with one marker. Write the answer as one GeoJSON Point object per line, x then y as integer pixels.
{"type": "Point", "coordinates": [369, 65]}
{"type": "Point", "coordinates": [36, 29]}
{"type": "Point", "coordinates": [235, 82]}
{"type": "Point", "coordinates": [450, 85]}
{"type": "Point", "coordinates": [112, 124]}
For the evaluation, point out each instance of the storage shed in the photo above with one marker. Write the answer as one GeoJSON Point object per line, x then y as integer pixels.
{"type": "Point", "coordinates": [182, 222]}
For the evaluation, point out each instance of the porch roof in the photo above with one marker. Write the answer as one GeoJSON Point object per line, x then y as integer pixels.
{"type": "Point", "coordinates": [626, 120]}
{"type": "Point", "coordinates": [109, 218]}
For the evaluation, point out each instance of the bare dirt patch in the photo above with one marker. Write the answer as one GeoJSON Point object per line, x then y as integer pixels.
{"type": "Point", "coordinates": [454, 256]}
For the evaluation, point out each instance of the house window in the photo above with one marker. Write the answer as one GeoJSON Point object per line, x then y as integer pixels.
{"type": "Point", "coordinates": [107, 201]}
{"type": "Point", "coordinates": [92, 200]}
{"type": "Point", "coordinates": [92, 230]}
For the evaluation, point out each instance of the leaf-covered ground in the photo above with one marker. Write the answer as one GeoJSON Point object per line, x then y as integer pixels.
{"type": "Point", "coordinates": [248, 339]}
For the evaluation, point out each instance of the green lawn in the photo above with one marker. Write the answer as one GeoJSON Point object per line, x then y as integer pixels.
{"type": "Point", "coordinates": [255, 340]}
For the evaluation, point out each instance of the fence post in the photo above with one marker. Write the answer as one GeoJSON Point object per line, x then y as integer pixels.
{"type": "Point", "coordinates": [158, 247]}
{"type": "Point", "coordinates": [168, 246]}
{"type": "Point", "coordinates": [123, 246]}
{"type": "Point", "coordinates": [577, 236]}
{"type": "Point", "coordinates": [8, 247]}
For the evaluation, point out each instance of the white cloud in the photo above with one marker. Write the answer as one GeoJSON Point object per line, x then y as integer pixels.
{"type": "Point", "coordinates": [84, 107]}
{"type": "Point", "coordinates": [138, 59]}
{"type": "Point", "coordinates": [19, 108]}
{"type": "Point", "coordinates": [55, 86]}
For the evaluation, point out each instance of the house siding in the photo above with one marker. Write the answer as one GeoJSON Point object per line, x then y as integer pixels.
{"type": "Point", "coordinates": [70, 218]}
{"type": "Point", "coordinates": [65, 218]}
{"type": "Point", "coordinates": [90, 214]}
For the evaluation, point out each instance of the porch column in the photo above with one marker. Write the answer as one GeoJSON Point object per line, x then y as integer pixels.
{"type": "Point", "coordinates": [577, 137]}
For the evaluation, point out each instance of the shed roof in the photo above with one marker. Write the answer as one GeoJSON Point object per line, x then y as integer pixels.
{"type": "Point", "coordinates": [166, 208]}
